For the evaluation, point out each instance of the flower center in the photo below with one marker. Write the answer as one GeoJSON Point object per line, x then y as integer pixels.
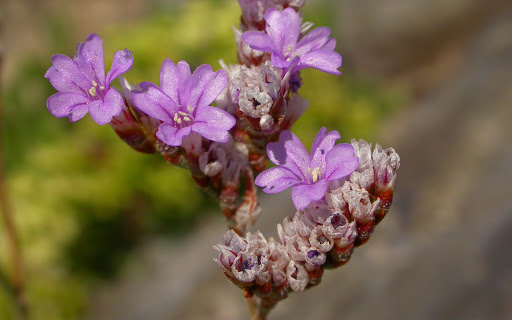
{"type": "Point", "coordinates": [315, 174]}
{"type": "Point", "coordinates": [289, 56]}
{"type": "Point", "coordinates": [96, 91]}
{"type": "Point", "coordinates": [182, 118]}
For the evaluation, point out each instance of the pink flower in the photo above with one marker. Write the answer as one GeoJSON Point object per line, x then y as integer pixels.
{"type": "Point", "coordinates": [281, 39]}
{"type": "Point", "coordinates": [82, 84]}
{"type": "Point", "coordinates": [307, 174]}
{"type": "Point", "coordinates": [182, 103]}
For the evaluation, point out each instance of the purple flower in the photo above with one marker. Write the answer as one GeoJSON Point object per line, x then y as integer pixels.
{"type": "Point", "coordinates": [183, 101]}
{"type": "Point", "coordinates": [308, 174]}
{"type": "Point", "coordinates": [82, 84]}
{"type": "Point", "coordinates": [314, 50]}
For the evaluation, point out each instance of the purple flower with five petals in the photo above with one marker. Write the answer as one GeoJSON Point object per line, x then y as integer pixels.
{"type": "Point", "coordinates": [314, 50]}
{"type": "Point", "coordinates": [82, 84]}
{"type": "Point", "coordinates": [308, 174]}
{"type": "Point", "coordinates": [183, 101]}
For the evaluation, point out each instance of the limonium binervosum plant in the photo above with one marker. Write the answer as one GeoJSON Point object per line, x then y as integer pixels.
{"type": "Point", "coordinates": [341, 190]}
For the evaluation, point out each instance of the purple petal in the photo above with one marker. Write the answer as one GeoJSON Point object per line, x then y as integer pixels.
{"type": "Point", "coordinates": [330, 45]}
{"type": "Point", "coordinates": [276, 180]}
{"type": "Point", "coordinates": [259, 41]}
{"type": "Point", "coordinates": [184, 73]}
{"type": "Point", "coordinates": [215, 117]}
{"type": "Point", "coordinates": [289, 152]}
{"type": "Point", "coordinates": [283, 28]}
{"type": "Point", "coordinates": [123, 61]}
{"type": "Point", "coordinates": [170, 79]}
{"type": "Point", "coordinates": [324, 60]}
{"type": "Point", "coordinates": [314, 40]}
{"type": "Point", "coordinates": [192, 89]}
{"type": "Point", "coordinates": [183, 70]}
{"type": "Point", "coordinates": [323, 143]}
{"type": "Point", "coordinates": [279, 61]}
{"type": "Point", "coordinates": [211, 133]}
{"type": "Point", "coordinates": [340, 162]}
{"type": "Point", "coordinates": [65, 76]}
{"type": "Point", "coordinates": [171, 135]}
{"type": "Point", "coordinates": [62, 104]}
{"type": "Point", "coordinates": [103, 111]}
{"type": "Point", "coordinates": [89, 59]}
{"type": "Point", "coordinates": [154, 102]}
{"type": "Point", "coordinates": [304, 194]}
{"type": "Point", "coordinates": [78, 112]}
{"type": "Point", "coordinates": [213, 88]}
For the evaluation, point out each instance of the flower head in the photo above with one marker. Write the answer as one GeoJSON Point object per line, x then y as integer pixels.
{"type": "Point", "coordinates": [253, 11]}
{"type": "Point", "coordinates": [82, 84]}
{"type": "Point", "coordinates": [281, 39]}
{"type": "Point", "coordinates": [308, 174]}
{"type": "Point", "coordinates": [182, 103]}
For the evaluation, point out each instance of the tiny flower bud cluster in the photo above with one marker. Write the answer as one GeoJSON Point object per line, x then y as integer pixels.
{"type": "Point", "coordinates": [253, 12]}
{"type": "Point", "coordinates": [321, 236]}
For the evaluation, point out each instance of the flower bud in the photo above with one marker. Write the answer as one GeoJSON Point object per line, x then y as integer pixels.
{"type": "Point", "coordinates": [385, 163]}
{"type": "Point", "coordinates": [364, 175]}
{"type": "Point", "coordinates": [297, 248]}
{"type": "Point", "coordinates": [315, 259]}
{"type": "Point", "coordinates": [319, 211]}
{"type": "Point", "coordinates": [319, 240]}
{"type": "Point", "coordinates": [133, 126]}
{"type": "Point", "coordinates": [246, 55]}
{"type": "Point", "coordinates": [234, 242]}
{"type": "Point", "coordinates": [338, 228]}
{"type": "Point", "coordinates": [297, 276]}
{"type": "Point", "coordinates": [214, 160]}
{"type": "Point", "coordinates": [245, 267]}
{"type": "Point", "coordinates": [226, 258]}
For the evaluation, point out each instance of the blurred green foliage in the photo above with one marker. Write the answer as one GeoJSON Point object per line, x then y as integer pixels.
{"type": "Point", "coordinates": [83, 198]}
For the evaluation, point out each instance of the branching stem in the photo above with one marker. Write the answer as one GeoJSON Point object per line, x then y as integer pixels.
{"type": "Point", "coordinates": [17, 280]}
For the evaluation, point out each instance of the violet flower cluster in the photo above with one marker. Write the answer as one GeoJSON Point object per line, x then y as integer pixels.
{"type": "Point", "coordinates": [341, 191]}
{"type": "Point", "coordinates": [321, 236]}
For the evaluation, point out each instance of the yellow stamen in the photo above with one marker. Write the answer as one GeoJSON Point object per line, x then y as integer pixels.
{"type": "Point", "coordinates": [182, 113]}
{"type": "Point", "coordinates": [186, 118]}
{"type": "Point", "coordinates": [94, 83]}
{"type": "Point", "coordinates": [176, 117]}
{"type": "Point", "coordinates": [92, 91]}
{"type": "Point", "coordinates": [190, 109]}
{"type": "Point", "coordinates": [315, 174]}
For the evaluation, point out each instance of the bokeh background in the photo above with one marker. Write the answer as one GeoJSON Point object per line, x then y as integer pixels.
{"type": "Point", "coordinates": [107, 233]}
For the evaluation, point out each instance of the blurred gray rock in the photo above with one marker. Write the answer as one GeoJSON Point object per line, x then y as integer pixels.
{"type": "Point", "coordinates": [392, 37]}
